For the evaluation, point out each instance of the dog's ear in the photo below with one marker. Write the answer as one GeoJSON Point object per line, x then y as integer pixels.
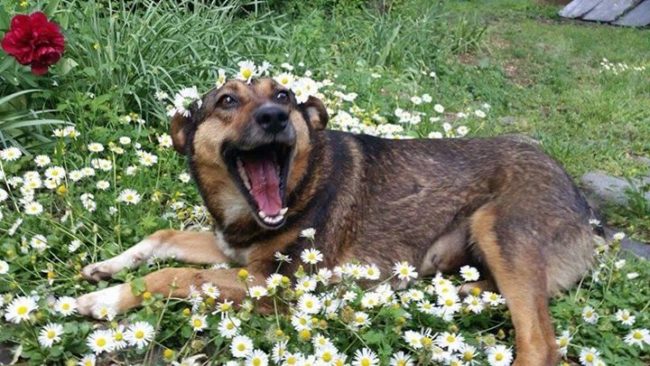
{"type": "Point", "coordinates": [316, 113]}
{"type": "Point", "coordinates": [178, 132]}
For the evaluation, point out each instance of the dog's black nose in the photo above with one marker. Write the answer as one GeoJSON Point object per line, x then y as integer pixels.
{"type": "Point", "coordinates": [272, 119]}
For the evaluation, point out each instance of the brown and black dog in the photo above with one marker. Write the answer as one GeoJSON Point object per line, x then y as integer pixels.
{"type": "Point", "coordinates": [267, 169]}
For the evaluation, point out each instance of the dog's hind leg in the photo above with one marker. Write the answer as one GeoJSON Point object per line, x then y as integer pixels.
{"type": "Point", "coordinates": [519, 272]}
{"type": "Point", "coordinates": [185, 246]}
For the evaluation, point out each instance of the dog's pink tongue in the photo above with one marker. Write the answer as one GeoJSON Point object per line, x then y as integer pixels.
{"type": "Point", "coordinates": [265, 184]}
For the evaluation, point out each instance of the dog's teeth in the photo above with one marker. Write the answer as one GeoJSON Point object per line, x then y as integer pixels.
{"type": "Point", "coordinates": [284, 211]}
{"type": "Point", "coordinates": [243, 175]}
{"type": "Point", "coordinates": [272, 219]}
{"type": "Point", "coordinates": [262, 214]}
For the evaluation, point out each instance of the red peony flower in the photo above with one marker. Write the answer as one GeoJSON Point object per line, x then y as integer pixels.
{"type": "Point", "coordinates": [35, 41]}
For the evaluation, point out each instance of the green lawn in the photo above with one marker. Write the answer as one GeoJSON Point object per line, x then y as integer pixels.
{"type": "Point", "coordinates": [495, 67]}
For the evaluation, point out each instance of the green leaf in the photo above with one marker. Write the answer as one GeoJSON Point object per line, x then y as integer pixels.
{"type": "Point", "coordinates": [138, 286]}
{"type": "Point", "coordinates": [51, 7]}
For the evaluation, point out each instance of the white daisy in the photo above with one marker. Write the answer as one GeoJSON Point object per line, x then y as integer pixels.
{"type": "Point", "coordinates": [241, 346]}
{"type": "Point", "coordinates": [50, 334]}
{"type": "Point", "coordinates": [589, 315]}
{"type": "Point", "coordinates": [311, 256]}
{"type": "Point", "coordinates": [401, 359]}
{"type": "Point", "coordinates": [4, 267]}
{"type": "Point", "coordinates": [309, 233]}
{"type": "Point", "coordinates": [492, 298]}
{"type": "Point", "coordinates": [10, 154]}
{"type": "Point", "coordinates": [42, 161]}
{"type": "Point", "coordinates": [257, 358]}
{"type": "Point", "coordinates": [20, 308]}
{"type": "Point", "coordinates": [365, 357]}
{"type": "Point", "coordinates": [129, 196]}
{"type": "Point", "coordinates": [87, 360]}
{"type": "Point", "coordinates": [589, 356]}
{"type": "Point", "coordinates": [637, 337]}
{"type": "Point", "coordinates": [247, 70]}
{"type": "Point", "coordinates": [257, 292]}
{"type": "Point", "coordinates": [65, 305]}
{"type": "Point", "coordinates": [229, 327]}
{"type": "Point", "coordinates": [33, 208]}
{"type": "Point", "coordinates": [309, 304]}
{"type": "Point", "coordinates": [139, 334]}
{"type": "Point", "coordinates": [404, 271]}
{"type": "Point", "coordinates": [624, 317]}
{"type": "Point", "coordinates": [100, 341]}
{"type": "Point", "coordinates": [198, 322]}
{"type": "Point", "coordinates": [499, 355]}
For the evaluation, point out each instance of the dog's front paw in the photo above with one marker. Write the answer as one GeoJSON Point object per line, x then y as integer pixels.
{"type": "Point", "coordinates": [96, 272]}
{"type": "Point", "coordinates": [102, 304]}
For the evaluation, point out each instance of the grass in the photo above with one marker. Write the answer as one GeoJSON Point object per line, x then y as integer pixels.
{"type": "Point", "coordinates": [540, 75]}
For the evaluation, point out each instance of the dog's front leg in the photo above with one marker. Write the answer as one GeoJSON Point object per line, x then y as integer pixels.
{"type": "Point", "coordinates": [185, 246]}
{"type": "Point", "coordinates": [171, 282]}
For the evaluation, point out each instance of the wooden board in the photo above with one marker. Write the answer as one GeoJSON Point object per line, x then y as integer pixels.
{"type": "Point", "coordinates": [609, 11]}
{"type": "Point", "coordinates": [637, 17]}
{"type": "Point", "coordinates": [578, 8]}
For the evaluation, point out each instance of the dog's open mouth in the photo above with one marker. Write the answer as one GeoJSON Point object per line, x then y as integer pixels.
{"type": "Point", "coordinates": [262, 176]}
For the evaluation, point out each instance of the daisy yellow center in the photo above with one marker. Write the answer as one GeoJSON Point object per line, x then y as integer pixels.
{"type": "Point", "coordinates": [564, 342]}
{"type": "Point", "coordinates": [101, 342]}
{"type": "Point", "coordinates": [637, 335]}
{"type": "Point", "coordinates": [65, 306]}
{"type": "Point", "coordinates": [197, 323]}
{"type": "Point", "coordinates": [22, 310]}
{"type": "Point", "coordinates": [230, 326]}
{"type": "Point", "coordinates": [365, 362]}
{"type": "Point", "coordinates": [241, 347]}
{"type": "Point", "coordinates": [449, 302]}
{"type": "Point", "coordinates": [88, 363]}
{"type": "Point", "coordinates": [247, 73]}
{"type": "Point", "coordinates": [284, 81]}
{"type": "Point", "coordinates": [225, 307]}
{"type": "Point", "coordinates": [118, 336]}
{"type": "Point", "coordinates": [257, 362]}
{"type": "Point", "coordinates": [451, 339]}
{"type": "Point", "coordinates": [51, 334]}
{"type": "Point", "coordinates": [404, 271]}
{"type": "Point", "coordinates": [590, 357]}
{"type": "Point", "coordinates": [139, 334]}
{"type": "Point", "coordinates": [498, 357]}
{"type": "Point", "coordinates": [468, 356]}
{"type": "Point", "coordinates": [309, 304]}
{"type": "Point", "coordinates": [327, 357]}
{"type": "Point", "coordinates": [401, 363]}
{"type": "Point", "coordinates": [493, 297]}
{"type": "Point", "coordinates": [426, 341]}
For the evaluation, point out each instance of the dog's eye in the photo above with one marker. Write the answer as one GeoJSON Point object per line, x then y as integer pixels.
{"type": "Point", "coordinates": [282, 96]}
{"type": "Point", "coordinates": [227, 101]}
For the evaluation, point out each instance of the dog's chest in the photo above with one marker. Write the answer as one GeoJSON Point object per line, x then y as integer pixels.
{"type": "Point", "coordinates": [238, 255]}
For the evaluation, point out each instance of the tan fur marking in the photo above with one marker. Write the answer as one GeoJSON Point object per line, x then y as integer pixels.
{"type": "Point", "coordinates": [523, 287]}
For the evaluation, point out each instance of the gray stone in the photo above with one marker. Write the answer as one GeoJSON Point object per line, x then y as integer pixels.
{"type": "Point", "coordinates": [637, 17]}
{"type": "Point", "coordinates": [609, 11]}
{"type": "Point", "coordinates": [630, 245]}
{"type": "Point", "coordinates": [519, 137]}
{"type": "Point", "coordinates": [507, 120]}
{"type": "Point", "coordinates": [603, 188]}
{"type": "Point", "coordinates": [606, 188]}
{"type": "Point", "coordinates": [578, 8]}
{"type": "Point", "coordinates": [643, 159]}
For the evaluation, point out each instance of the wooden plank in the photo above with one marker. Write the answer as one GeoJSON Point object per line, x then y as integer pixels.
{"type": "Point", "coordinates": [609, 11]}
{"type": "Point", "coordinates": [578, 8]}
{"type": "Point", "coordinates": [637, 17]}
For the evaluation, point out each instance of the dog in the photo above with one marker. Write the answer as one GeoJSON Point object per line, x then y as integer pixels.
{"type": "Point", "coordinates": [267, 168]}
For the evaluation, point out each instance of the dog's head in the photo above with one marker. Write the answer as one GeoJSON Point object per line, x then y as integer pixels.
{"type": "Point", "coordinates": [249, 142]}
